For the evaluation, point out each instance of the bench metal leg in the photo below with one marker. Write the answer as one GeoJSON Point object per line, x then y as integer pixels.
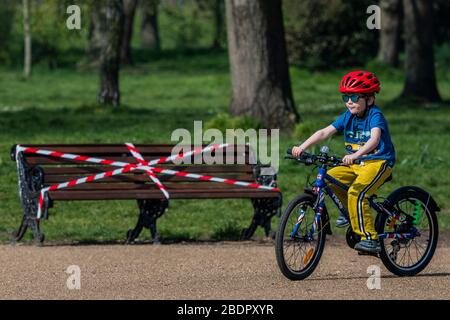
{"type": "Point", "coordinates": [265, 209]}
{"type": "Point", "coordinates": [18, 235]}
{"type": "Point", "coordinates": [149, 212]}
{"type": "Point", "coordinates": [30, 183]}
{"type": "Point", "coordinates": [33, 224]}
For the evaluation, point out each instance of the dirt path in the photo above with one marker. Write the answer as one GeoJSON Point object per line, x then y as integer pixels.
{"type": "Point", "coordinates": [233, 270]}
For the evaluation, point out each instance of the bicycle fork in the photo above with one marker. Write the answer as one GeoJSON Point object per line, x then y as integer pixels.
{"type": "Point", "coordinates": [318, 214]}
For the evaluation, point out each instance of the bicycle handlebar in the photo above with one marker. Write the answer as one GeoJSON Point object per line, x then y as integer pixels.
{"type": "Point", "coordinates": [310, 159]}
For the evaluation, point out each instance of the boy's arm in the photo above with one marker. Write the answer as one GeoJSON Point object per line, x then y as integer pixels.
{"type": "Point", "coordinates": [372, 143]}
{"type": "Point", "coordinates": [318, 136]}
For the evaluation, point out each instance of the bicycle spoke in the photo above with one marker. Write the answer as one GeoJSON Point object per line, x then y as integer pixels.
{"type": "Point", "coordinates": [409, 255]}
{"type": "Point", "coordinates": [403, 257]}
{"type": "Point", "coordinates": [412, 251]}
{"type": "Point", "coordinates": [417, 251]}
{"type": "Point", "coordinates": [297, 249]}
{"type": "Point", "coordinates": [420, 245]}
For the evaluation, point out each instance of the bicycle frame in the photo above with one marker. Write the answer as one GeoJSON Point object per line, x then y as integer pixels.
{"type": "Point", "coordinates": [322, 189]}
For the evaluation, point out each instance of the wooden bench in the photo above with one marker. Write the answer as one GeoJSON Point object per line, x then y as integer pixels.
{"type": "Point", "coordinates": [39, 171]}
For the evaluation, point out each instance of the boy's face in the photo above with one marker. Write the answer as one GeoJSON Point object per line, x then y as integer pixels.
{"type": "Point", "coordinates": [360, 106]}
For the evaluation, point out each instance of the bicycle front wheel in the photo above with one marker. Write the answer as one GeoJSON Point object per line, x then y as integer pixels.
{"type": "Point", "coordinates": [297, 248]}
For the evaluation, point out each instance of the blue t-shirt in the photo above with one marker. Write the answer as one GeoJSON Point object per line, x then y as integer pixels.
{"type": "Point", "coordinates": [357, 133]}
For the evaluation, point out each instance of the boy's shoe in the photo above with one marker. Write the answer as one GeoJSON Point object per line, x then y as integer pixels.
{"type": "Point", "coordinates": [370, 246]}
{"type": "Point", "coordinates": [342, 222]}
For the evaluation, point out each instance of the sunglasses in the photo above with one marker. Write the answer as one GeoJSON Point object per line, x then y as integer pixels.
{"type": "Point", "coordinates": [353, 97]}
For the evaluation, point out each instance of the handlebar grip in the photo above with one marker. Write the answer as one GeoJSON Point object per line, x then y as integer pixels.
{"type": "Point", "coordinates": [289, 151]}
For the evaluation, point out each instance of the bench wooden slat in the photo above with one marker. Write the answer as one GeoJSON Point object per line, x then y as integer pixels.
{"type": "Point", "coordinates": [164, 149]}
{"type": "Point", "coordinates": [156, 194]}
{"type": "Point", "coordinates": [141, 178]}
{"type": "Point", "coordinates": [150, 186]}
{"type": "Point", "coordinates": [191, 168]}
{"type": "Point", "coordinates": [126, 153]}
{"type": "Point", "coordinates": [44, 160]}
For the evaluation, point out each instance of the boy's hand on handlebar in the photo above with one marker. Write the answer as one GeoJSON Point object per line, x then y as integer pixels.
{"type": "Point", "coordinates": [349, 159]}
{"type": "Point", "coordinates": [297, 151]}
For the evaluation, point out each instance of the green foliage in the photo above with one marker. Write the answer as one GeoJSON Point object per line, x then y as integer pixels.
{"type": "Point", "coordinates": [304, 129]}
{"type": "Point", "coordinates": [224, 121]}
{"type": "Point", "coordinates": [377, 67]}
{"type": "Point", "coordinates": [186, 26]}
{"type": "Point", "coordinates": [328, 33]}
{"type": "Point", "coordinates": [442, 56]}
{"type": "Point", "coordinates": [52, 43]}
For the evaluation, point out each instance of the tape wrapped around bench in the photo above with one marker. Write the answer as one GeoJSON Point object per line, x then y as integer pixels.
{"type": "Point", "coordinates": [136, 185]}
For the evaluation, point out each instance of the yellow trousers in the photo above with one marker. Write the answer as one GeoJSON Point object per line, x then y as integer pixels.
{"type": "Point", "coordinates": [363, 180]}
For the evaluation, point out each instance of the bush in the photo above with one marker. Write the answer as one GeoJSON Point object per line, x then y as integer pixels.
{"type": "Point", "coordinates": [224, 121]}
{"type": "Point", "coordinates": [381, 68]}
{"type": "Point", "coordinates": [442, 56]}
{"type": "Point", "coordinates": [52, 42]}
{"type": "Point", "coordinates": [186, 26]}
{"type": "Point", "coordinates": [304, 130]}
{"type": "Point", "coordinates": [328, 33]}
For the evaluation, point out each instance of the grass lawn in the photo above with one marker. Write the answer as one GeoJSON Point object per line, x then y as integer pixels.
{"type": "Point", "coordinates": [169, 93]}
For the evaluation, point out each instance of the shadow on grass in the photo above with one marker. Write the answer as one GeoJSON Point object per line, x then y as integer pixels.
{"type": "Point", "coordinates": [400, 103]}
{"type": "Point", "coordinates": [227, 231]}
{"type": "Point", "coordinates": [184, 60]}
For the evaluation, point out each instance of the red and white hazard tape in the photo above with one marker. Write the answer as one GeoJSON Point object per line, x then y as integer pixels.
{"type": "Point", "coordinates": [149, 172]}
{"type": "Point", "coordinates": [117, 163]}
{"type": "Point", "coordinates": [128, 167]}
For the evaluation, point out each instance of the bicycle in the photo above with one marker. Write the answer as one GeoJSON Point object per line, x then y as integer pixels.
{"type": "Point", "coordinates": [406, 220]}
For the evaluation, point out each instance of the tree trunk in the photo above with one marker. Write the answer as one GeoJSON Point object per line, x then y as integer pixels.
{"type": "Point", "coordinates": [27, 39]}
{"type": "Point", "coordinates": [218, 23]}
{"type": "Point", "coordinates": [388, 51]}
{"type": "Point", "coordinates": [149, 29]}
{"type": "Point", "coordinates": [261, 86]}
{"type": "Point", "coordinates": [129, 9]}
{"type": "Point", "coordinates": [107, 34]}
{"type": "Point", "coordinates": [94, 35]}
{"type": "Point", "coordinates": [420, 79]}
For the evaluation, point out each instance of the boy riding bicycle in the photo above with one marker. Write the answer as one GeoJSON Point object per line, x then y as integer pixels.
{"type": "Point", "coordinates": [366, 137]}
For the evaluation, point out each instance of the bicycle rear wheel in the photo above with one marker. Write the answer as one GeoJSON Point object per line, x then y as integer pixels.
{"type": "Point", "coordinates": [298, 253]}
{"type": "Point", "coordinates": [407, 257]}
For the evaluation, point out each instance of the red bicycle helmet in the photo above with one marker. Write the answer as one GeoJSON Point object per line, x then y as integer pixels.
{"type": "Point", "coordinates": [360, 81]}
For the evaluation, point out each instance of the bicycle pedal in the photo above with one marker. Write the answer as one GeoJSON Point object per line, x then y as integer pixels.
{"type": "Point", "coordinates": [361, 253]}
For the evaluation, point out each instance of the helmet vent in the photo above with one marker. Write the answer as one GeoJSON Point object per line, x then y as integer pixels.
{"type": "Point", "coordinates": [359, 81]}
